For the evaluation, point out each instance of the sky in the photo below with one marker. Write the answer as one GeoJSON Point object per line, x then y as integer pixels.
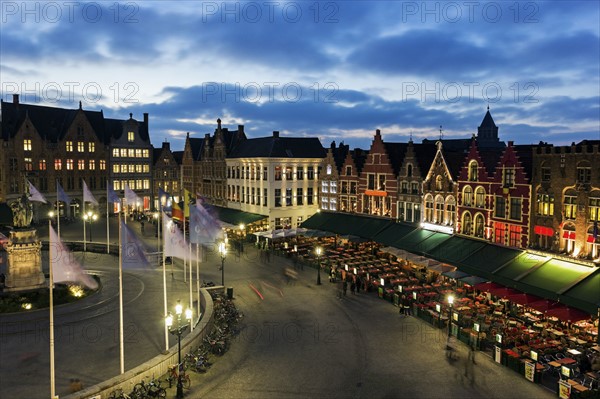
{"type": "Point", "coordinates": [336, 70]}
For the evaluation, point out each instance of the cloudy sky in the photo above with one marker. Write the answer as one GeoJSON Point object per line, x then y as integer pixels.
{"type": "Point", "coordinates": [333, 69]}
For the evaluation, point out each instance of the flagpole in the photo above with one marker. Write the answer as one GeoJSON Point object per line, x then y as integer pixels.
{"type": "Point", "coordinates": [198, 278]}
{"type": "Point", "coordinates": [83, 218]}
{"type": "Point", "coordinates": [57, 211]}
{"type": "Point", "coordinates": [107, 226]}
{"type": "Point", "coordinates": [165, 289]}
{"type": "Point", "coordinates": [184, 268]}
{"type": "Point", "coordinates": [191, 282]}
{"type": "Point", "coordinates": [121, 343]}
{"type": "Point", "coordinates": [50, 282]}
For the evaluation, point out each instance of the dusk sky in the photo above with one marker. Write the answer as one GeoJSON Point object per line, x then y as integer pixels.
{"type": "Point", "coordinates": [336, 70]}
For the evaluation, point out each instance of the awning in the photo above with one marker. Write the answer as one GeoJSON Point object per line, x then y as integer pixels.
{"type": "Point", "coordinates": [393, 234]}
{"type": "Point", "coordinates": [568, 314]}
{"type": "Point", "coordinates": [488, 259]}
{"type": "Point", "coordinates": [455, 249]}
{"type": "Point", "coordinates": [236, 217]}
{"type": "Point", "coordinates": [556, 275]}
{"type": "Point", "coordinates": [523, 299]}
{"type": "Point", "coordinates": [586, 294]}
{"type": "Point", "coordinates": [486, 287]}
{"type": "Point", "coordinates": [519, 265]}
{"type": "Point", "coordinates": [456, 274]}
{"type": "Point", "coordinates": [473, 280]}
{"type": "Point", "coordinates": [543, 231]}
{"type": "Point", "coordinates": [428, 245]}
{"type": "Point", "coordinates": [544, 305]}
{"type": "Point", "coordinates": [570, 235]}
{"type": "Point", "coordinates": [344, 223]}
{"type": "Point", "coordinates": [411, 240]}
{"type": "Point", "coordinates": [441, 268]}
{"type": "Point", "coordinates": [503, 292]}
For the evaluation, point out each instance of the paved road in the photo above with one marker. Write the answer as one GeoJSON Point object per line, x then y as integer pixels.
{"type": "Point", "coordinates": [298, 341]}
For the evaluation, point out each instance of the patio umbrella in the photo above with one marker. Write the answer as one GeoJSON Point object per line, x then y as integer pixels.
{"type": "Point", "coordinates": [486, 287]}
{"type": "Point", "coordinates": [503, 292]}
{"type": "Point", "coordinates": [568, 314]}
{"type": "Point", "coordinates": [523, 299]}
{"type": "Point", "coordinates": [543, 305]}
{"type": "Point", "coordinates": [473, 280]}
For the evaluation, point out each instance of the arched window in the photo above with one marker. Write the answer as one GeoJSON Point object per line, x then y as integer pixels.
{"type": "Point", "coordinates": [479, 225]}
{"type": "Point", "coordinates": [450, 210]}
{"type": "Point", "coordinates": [439, 209]}
{"type": "Point", "coordinates": [480, 197]}
{"type": "Point", "coordinates": [594, 206]}
{"type": "Point", "coordinates": [473, 168]}
{"type": "Point", "coordinates": [467, 226]}
{"type": "Point", "coordinates": [409, 170]}
{"type": "Point", "coordinates": [328, 169]}
{"type": "Point", "coordinates": [568, 235]}
{"type": "Point", "coordinates": [429, 208]}
{"type": "Point", "coordinates": [467, 198]}
{"type": "Point", "coordinates": [438, 183]}
{"type": "Point", "coordinates": [570, 204]}
{"type": "Point", "coordinates": [593, 243]}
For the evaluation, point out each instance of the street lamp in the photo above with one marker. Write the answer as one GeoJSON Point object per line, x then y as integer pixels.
{"type": "Point", "coordinates": [178, 330]}
{"type": "Point", "coordinates": [156, 215]}
{"type": "Point", "coordinates": [89, 216]}
{"type": "Point", "coordinates": [223, 253]}
{"type": "Point", "coordinates": [450, 302]}
{"type": "Point", "coordinates": [318, 250]}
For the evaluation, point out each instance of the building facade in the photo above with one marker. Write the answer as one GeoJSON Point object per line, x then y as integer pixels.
{"type": "Point", "coordinates": [166, 172]}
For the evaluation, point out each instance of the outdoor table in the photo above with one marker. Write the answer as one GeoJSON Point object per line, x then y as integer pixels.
{"type": "Point", "coordinates": [574, 352]}
{"type": "Point", "coordinates": [566, 361]}
{"type": "Point", "coordinates": [554, 364]}
{"type": "Point", "coordinates": [596, 348]}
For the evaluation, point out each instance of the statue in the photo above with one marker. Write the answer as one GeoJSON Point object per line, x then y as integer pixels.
{"type": "Point", "coordinates": [22, 211]}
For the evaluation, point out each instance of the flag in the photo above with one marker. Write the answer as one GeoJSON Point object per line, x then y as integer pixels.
{"type": "Point", "coordinates": [64, 266]}
{"type": "Point", "coordinates": [131, 197]}
{"type": "Point", "coordinates": [176, 211]}
{"type": "Point", "coordinates": [204, 227]}
{"type": "Point", "coordinates": [111, 195]}
{"type": "Point", "coordinates": [132, 249]}
{"type": "Point", "coordinates": [174, 243]}
{"type": "Point", "coordinates": [187, 201]}
{"type": "Point", "coordinates": [61, 195]}
{"type": "Point", "coordinates": [34, 194]}
{"type": "Point", "coordinates": [163, 196]}
{"type": "Point", "coordinates": [595, 231]}
{"type": "Point", "coordinates": [87, 195]}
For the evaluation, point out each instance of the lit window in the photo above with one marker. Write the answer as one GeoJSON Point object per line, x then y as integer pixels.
{"type": "Point", "coordinates": [138, 153]}
{"type": "Point", "coordinates": [570, 206]}
{"type": "Point", "coordinates": [58, 164]}
{"type": "Point", "coordinates": [146, 168]}
{"type": "Point", "coordinates": [115, 152]}
{"type": "Point", "coordinates": [91, 147]}
{"type": "Point", "coordinates": [69, 164]}
{"type": "Point", "coordinates": [146, 153]}
{"type": "Point", "coordinates": [509, 177]}
{"type": "Point", "coordinates": [146, 184]}
{"type": "Point", "coordinates": [123, 152]}
{"type": "Point", "coordinates": [545, 204]}
{"type": "Point", "coordinates": [138, 168]}
{"type": "Point", "coordinates": [116, 168]}
{"type": "Point", "coordinates": [42, 164]}
{"type": "Point", "coordinates": [92, 164]}
{"type": "Point", "coordinates": [473, 167]}
{"type": "Point", "coordinates": [69, 146]}
{"type": "Point", "coordinates": [324, 187]}
{"type": "Point", "coordinates": [80, 146]}
{"type": "Point", "coordinates": [117, 185]}
{"type": "Point", "coordinates": [81, 164]}
{"type": "Point", "coordinates": [27, 145]}
{"type": "Point", "coordinates": [102, 164]}
{"type": "Point", "coordinates": [28, 164]}
{"type": "Point", "coordinates": [467, 196]}
{"type": "Point", "coordinates": [131, 153]}
{"type": "Point", "coordinates": [130, 137]}
{"type": "Point", "coordinates": [328, 169]}
{"type": "Point", "coordinates": [594, 209]}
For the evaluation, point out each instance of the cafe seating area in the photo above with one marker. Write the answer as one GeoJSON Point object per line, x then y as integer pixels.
{"type": "Point", "coordinates": [543, 340]}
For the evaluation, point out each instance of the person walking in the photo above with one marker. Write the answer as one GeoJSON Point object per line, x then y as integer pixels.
{"type": "Point", "coordinates": [345, 287]}
{"type": "Point", "coordinates": [352, 287]}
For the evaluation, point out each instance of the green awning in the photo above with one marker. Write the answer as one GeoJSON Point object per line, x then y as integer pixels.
{"type": "Point", "coordinates": [236, 217]}
{"type": "Point", "coordinates": [347, 224]}
{"type": "Point", "coordinates": [455, 249]}
{"type": "Point", "coordinates": [519, 265]}
{"type": "Point", "coordinates": [393, 234]}
{"type": "Point", "coordinates": [428, 245]}
{"type": "Point", "coordinates": [489, 258]}
{"type": "Point", "coordinates": [556, 275]}
{"type": "Point", "coordinates": [318, 221]}
{"type": "Point", "coordinates": [411, 240]}
{"type": "Point", "coordinates": [585, 295]}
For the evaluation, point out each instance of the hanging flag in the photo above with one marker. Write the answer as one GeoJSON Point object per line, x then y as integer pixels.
{"type": "Point", "coordinates": [61, 195]}
{"type": "Point", "coordinates": [187, 201]}
{"type": "Point", "coordinates": [132, 249]}
{"type": "Point", "coordinates": [163, 196]}
{"type": "Point", "coordinates": [65, 268]}
{"type": "Point", "coordinates": [34, 194]}
{"type": "Point", "coordinates": [174, 243]}
{"type": "Point", "coordinates": [131, 197]}
{"type": "Point", "coordinates": [204, 228]}
{"type": "Point", "coordinates": [88, 196]}
{"type": "Point", "coordinates": [595, 231]}
{"type": "Point", "coordinates": [111, 195]}
{"type": "Point", "coordinates": [176, 211]}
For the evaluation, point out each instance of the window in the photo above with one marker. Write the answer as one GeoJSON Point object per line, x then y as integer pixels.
{"type": "Point", "coordinates": [299, 196]}
{"type": "Point", "coordinates": [500, 233]}
{"type": "Point", "coordinates": [467, 196]}
{"type": "Point", "coordinates": [138, 168]}
{"type": "Point", "coordinates": [473, 168]}
{"type": "Point", "coordinates": [277, 172]}
{"type": "Point", "coordinates": [324, 203]}
{"type": "Point", "coordinates": [370, 181]}
{"type": "Point", "coordinates": [102, 164]}
{"type": "Point", "coordinates": [545, 204]}
{"type": "Point", "coordinates": [309, 196]}
{"type": "Point", "coordinates": [515, 208]}
{"type": "Point", "coordinates": [479, 197]}
{"type": "Point", "coordinates": [450, 210]}
{"type": "Point", "coordinates": [310, 173]}
{"type": "Point", "coordinates": [348, 170]}
{"type": "Point", "coordinates": [43, 164]}
{"type": "Point", "coordinates": [570, 206]}
{"type": "Point", "coordinates": [265, 174]}
{"type": "Point", "coordinates": [500, 207]}
{"type": "Point", "coordinates": [277, 197]}
{"type": "Point", "coordinates": [324, 186]}
{"type": "Point", "coordinates": [58, 164]}
{"type": "Point", "coordinates": [138, 152]}
{"type": "Point", "coordinates": [438, 183]}
{"type": "Point", "coordinates": [409, 170]}
{"type": "Point", "coordinates": [91, 147]}
{"type": "Point", "coordinates": [546, 174]}
{"type": "Point", "coordinates": [116, 168]}
{"type": "Point", "coordinates": [288, 173]}
{"type": "Point", "coordinates": [146, 153]}
{"type": "Point", "coordinates": [508, 177]}
{"type": "Point", "coordinates": [514, 238]}
{"type": "Point", "coordinates": [288, 197]}
{"type": "Point", "coordinates": [414, 188]}
{"type": "Point", "coordinates": [429, 208]}
{"type": "Point", "coordinates": [265, 196]}
{"type": "Point", "coordinates": [333, 204]}
{"type": "Point", "coordinates": [131, 152]}
{"type": "Point", "coordinates": [333, 187]}
{"type": "Point", "coordinates": [115, 152]}
{"type": "Point", "coordinates": [467, 224]}
{"type": "Point", "coordinates": [479, 226]}
{"type": "Point", "coordinates": [80, 146]}
{"type": "Point", "coordinates": [584, 174]}
{"type": "Point", "coordinates": [594, 209]}
{"type": "Point", "coordinates": [381, 185]}
{"type": "Point", "coordinates": [14, 165]}
{"type": "Point", "coordinates": [28, 164]}
{"type": "Point", "coordinates": [353, 186]}
{"type": "Point", "coordinates": [123, 152]}
{"type": "Point", "coordinates": [81, 164]}
{"type": "Point", "coordinates": [404, 187]}
{"type": "Point", "coordinates": [439, 210]}
{"type": "Point", "coordinates": [300, 173]}
{"type": "Point", "coordinates": [130, 137]}
{"type": "Point", "coordinates": [27, 145]}
{"type": "Point", "coordinates": [328, 169]}
{"type": "Point", "coordinates": [69, 146]}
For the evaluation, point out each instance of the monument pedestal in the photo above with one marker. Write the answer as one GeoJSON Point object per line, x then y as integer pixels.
{"type": "Point", "coordinates": [24, 266]}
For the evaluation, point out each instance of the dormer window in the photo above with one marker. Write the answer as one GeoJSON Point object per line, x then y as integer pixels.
{"type": "Point", "coordinates": [27, 145]}
{"type": "Point", "coordinates": [473, 168]}
{"type": "Point", "coordinates": [328, 169]}
{"type": "Point", "coordinates": [130, 137]}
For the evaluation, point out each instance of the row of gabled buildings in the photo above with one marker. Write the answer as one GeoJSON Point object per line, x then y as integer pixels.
{"type": "Point", "coordinates": [522, 196]}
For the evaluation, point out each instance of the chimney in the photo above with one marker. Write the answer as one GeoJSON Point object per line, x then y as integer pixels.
{"type": "Point", "coordinates": [166, 146]}
{"type": "Point", "coordinates": [146, 120]}
{"type": "Point", "coordinates": [207, 136]}
{"type": "Point", "coordinates": [276, 134]}
{"type": "Point", "coordinates": [511, 143]}
{"type": "Point", "coordinates": [241, 128]}
{"type": "Point", "coordinates": [16, 99]}
{"type": "Point", "coordinates": [219, 123]}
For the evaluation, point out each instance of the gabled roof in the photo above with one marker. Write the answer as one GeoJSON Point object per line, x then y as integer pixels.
{"type": "Point", "coordinates": [360, 157]}
{"type": "Point", "coordinates": [396, 153]}
{"type": "Point", "coordinates": [279, 147]}
{"type": "Point", "coordinates": [339, 154]}
{"type": "Point", "coordinates": [488, 121]}
{"type": "Point", "coordinates": [525, 154]}
{"type": "Point", "coordinates": [425, 154]}
{"type": "Point", "coordinates": [178, 155]}
{"type": "Point", "coordinates": [196, 145]}
{"type": "Point", "coordinates": [114, 128]}
{"type": "Point", "coordinates": [490, 159]}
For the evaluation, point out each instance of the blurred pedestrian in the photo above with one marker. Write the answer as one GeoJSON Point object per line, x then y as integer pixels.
{"type": "Point", "coordinates": [345, 287]}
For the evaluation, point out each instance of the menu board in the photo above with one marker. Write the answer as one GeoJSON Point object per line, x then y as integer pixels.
{"type": "Point", "coordinates": [564, 390]}
{"type": "Point", "coordinates": [530, 371]}
{"type": "Point", "coordinates": [498, 354]}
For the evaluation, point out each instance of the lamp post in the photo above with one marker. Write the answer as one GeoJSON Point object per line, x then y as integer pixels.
{"type": "Point", "coordinates": [88, 217]}
{"type": "Point", "coordinates": [156, 215]}
{"type": "Point", "coordinates": [178, 329]}
{"type": "Point", "coordinates": [223, 253]}
{"type": "Point", "coordinates": [450, 302]}
{"type": "Point", "coordinates": [318, 250]}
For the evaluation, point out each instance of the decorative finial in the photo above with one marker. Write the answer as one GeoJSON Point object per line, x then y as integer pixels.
{"type": "Point", "coordinates": [441, 133]}
{"type": "Point", "coordinates": [130, 115]}
{"type": "Point", "coordinates": [488, 107]}
{"type": "Point", "coordinates": [80, 104]}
